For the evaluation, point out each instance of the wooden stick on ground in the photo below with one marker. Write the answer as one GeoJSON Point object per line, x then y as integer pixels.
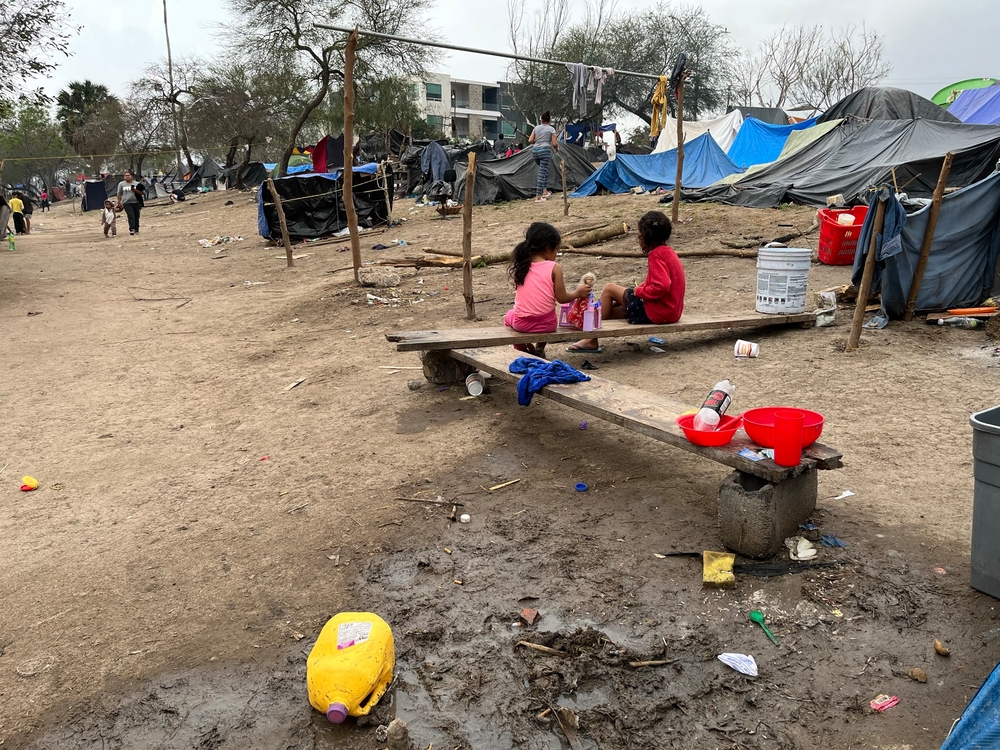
{"type": "Point", "coordinates": [348, 182]}
{"type": "Point", "coordinates": [470, 189]}
{"type": "Point", "coordinates": [866, 279]}
{"type": "Point", "coordinates": [428, 501]}
{"type": "Point", "coordinates": [594, 236]}
{"type": "Point", "coordinates": [562, 167]}
{"type": "Point", "coordinates": [542, 649]}
{"type": "Point", "coordinates": [925, 246]}
{"type": "Point", "coordinates": [281, 221]}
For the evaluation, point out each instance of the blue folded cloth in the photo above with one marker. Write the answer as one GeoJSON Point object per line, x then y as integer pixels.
{"type": "Point", "coordinates": [538, 373]}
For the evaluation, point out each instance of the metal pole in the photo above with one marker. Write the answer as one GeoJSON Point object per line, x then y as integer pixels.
{"type": "Point", "coordinates": [173, 103]}
{"type": "Point", "coordinates": [457, 48]}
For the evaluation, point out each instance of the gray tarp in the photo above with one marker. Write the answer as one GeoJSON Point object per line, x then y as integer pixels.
{"type": "Point", "coordinates": [961, 268]}
{"type": "Point", "coordinates": [857, 155]}
{"type": "Point", "coordinates": [884, 103]}
{"type": "Point", "coordinates": [514, 178]}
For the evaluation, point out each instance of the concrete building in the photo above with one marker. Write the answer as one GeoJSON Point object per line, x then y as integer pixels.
{"type": "Point", "coordinates": [466, 109]}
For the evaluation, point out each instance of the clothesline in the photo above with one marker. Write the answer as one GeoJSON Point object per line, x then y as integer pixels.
{"type": "Point", "coordinates": [474, 50]}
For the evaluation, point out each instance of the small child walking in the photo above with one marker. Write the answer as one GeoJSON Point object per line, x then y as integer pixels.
{"type": "Point", "coordinates": [539, 285]}
{"type": "Point", "coordinates": [109, 217]}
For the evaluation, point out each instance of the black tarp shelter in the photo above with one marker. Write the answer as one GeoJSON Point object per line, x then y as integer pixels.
{"type": "Point", "coordinates": [770, 115]}
{"type": "Point", "coordinates": [95, 192]}
{"type": "Point", "coordinates": [204, 176]}
{"type": "Point", "coordinates": [314, 205]}
{"type": "Point", "coordinates": [885, 103]}
{"type": "Point", "coordinates": [514, 178]}
{"type": "Point", "coordinates": [857, 154]}
{"type": "Point", "coordinates": [254, 173]}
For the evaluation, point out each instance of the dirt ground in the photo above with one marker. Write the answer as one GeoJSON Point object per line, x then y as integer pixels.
{"type": "Point", "coordinates": [198, 522]}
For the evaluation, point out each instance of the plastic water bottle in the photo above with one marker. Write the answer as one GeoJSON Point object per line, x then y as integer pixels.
{"type": "Point", "coordinates": [708, 417]}
{"type": "Point", "coordinates": [959, 322]}
{"type": "Point", "coordinates": [10, 242]}
{"type": "Point", "coordinates": [350, 667]}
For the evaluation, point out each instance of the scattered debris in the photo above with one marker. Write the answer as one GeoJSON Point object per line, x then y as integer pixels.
{"type": "Point", "coordinates": [882, 702]}
{"type": "Point", "coordinates": [717, 569]}
{"type": "Point", "coordinates": [414, 385]}
{"type": "Point", "coordinates": [30, 314]}
{"type": "Point", "coordinates": [758, 617]}
{"type": "Point", "coordinates": [382, 278]}
{"type": "Point", "coordinates": [300, 381]}
{"type": "Point", "coordinates": [800, 548]}
{"type": "Point", "coordinates": [581, 487]}
{"type": "Point", "coordinates": [742, 663]}
{"type": "Point", "coordinates": [918, 675]}
{"type": "Point", "coordinates": [28, 484]}
{"type": "Point", "coordinates": [438, 501]}
{"type": "Point", "coordinates": [829, 540]}
{"type": "Point", "coordinates": [465, 518]}
{"type": "Point", "coordinates": [941, 648]}
{"type": "Point", "coordinates": [504, 484]}
{"type": "Point", "coordinates": [844, 495]}
{"type": "Point", "coordinates": [219, 240]}
{"type": "Point", "coordinates": [542, 649]}
{"type": "Point", "coordinates": [255, 283]}
{"type": "Point", "coordinates": [529, 616]}
{"type": "Point", "coordinates": [583, 425]}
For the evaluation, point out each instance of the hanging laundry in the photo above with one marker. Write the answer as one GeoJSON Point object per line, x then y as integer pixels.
{"type": "Point", "coordinates": [578, 73]}
{"type": "Point", "coordinates": [659, 101]}
{"type": "Point", "coordinates": [595, 82]}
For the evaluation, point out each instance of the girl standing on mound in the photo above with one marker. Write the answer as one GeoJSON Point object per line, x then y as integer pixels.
{"type": "Point", "coordinates": [539, 285]}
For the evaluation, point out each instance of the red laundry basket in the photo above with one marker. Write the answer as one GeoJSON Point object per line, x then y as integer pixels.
{"type": "Point", "coordinates": [838, 242]}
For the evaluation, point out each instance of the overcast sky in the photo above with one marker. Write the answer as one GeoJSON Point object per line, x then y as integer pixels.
{"type": "Point", "coordinates": [929, 43]}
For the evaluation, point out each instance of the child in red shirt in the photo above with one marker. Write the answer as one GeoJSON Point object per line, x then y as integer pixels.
{"type": "Point", "coordinates": [660, 297]}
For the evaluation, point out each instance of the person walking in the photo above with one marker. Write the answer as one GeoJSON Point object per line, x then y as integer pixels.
{"type": "Point", "coordinates": [45, 200]}
{"type": "Point", "coordinates": [129, 201]}
{"type": "Point", "coordinates": [543, 140]}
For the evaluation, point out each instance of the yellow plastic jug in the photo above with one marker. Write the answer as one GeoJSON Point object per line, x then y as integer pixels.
{"type": "Point", "coordinates": [350, 667]}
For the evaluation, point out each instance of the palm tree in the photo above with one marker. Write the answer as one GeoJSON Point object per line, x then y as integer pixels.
{"type": "Point", "coordinates": [75, 106]}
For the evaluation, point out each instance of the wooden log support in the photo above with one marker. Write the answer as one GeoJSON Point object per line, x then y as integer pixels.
{"type": "Point", "coordinates": [676, 206]}
{"type": "Point", "coordinates": [596, 235]}
{"type": "Point", "coordinates": [470, 190]}
{"type": "Point", "coordinates": [281, 221]}
{"type": "Point", "coordinates": [925, 246]}
{"type": "Point", "coordinates": [352, 215]}
{"type": "Point", "coordinates": [866, 279]}
{"type": "Point", "coordinates": [562, 168]}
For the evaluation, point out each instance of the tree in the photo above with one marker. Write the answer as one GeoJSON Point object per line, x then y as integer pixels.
{"type": "Point", "coordinates": [32, 33]}
{"type": "Point", "coordinates": [31, 145]}
{"type": "Point", "coordinates": [380, 106]}
{"type": "Point", "coordinates": [268, 31]}
{"type": "Point", "coordinates": [83, 110]}
{"type": "Point", "coordinates": [187, 74]}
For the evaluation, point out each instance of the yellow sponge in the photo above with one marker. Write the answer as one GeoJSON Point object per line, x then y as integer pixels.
{"type": "Point", "coordinates": [717, 569]}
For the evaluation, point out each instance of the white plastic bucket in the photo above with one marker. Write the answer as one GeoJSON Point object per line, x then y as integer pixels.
{"type": "Point", "coordinates": [782, 277]}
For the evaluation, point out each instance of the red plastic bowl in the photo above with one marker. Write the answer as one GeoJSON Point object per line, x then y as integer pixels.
{"type": "Point", "coordinates": [710, 439]}
{"type": "Point", "coordinates": [759, 425]}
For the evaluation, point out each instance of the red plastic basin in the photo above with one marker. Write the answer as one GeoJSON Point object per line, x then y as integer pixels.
{"type": "Point", "coordinates": [710, 439]}
{"type": "Point", "coordinates": [759, 425]}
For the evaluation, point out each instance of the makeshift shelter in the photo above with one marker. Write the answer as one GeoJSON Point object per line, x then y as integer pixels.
{"type": "Point", "coordinates": [979, 726]}
{"type": "Point", "coordinates": [704, 164]}
{"type": "Point", "coordinates": [723, 130]}
{"type": "Point", "coordinates": [633, 149]}
{"type": "Point", "coordinates": [770, 115]}
{"type": "Point", "coordinates": [855, 155]}
{"type": "Point", "coordinates": [514, 178]}
{"type": "Point", "coordinates": [314, 203]}
{"type": "Point", "coordinates": [204, 176]}
{"type": "Point", "coordinates": [961, 267]}
{"type": "Point", "coordinates": [254, 173]}
{"type": "Point", "coordinates": [884, 103]}
{"type": "Point", "coordinates": [95, 192]}
{"type": "Point", "coordinates": [760, 142]}
{"type": "Point", "coordinates": [978, 106]}
{"type": "Point", "coordinates": [948, 94]}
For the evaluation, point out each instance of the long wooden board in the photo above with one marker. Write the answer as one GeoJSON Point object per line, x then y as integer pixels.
{"type": "Point", "coordinates": [647, 414]}
{"type": "Point", "coordinates": [465, 338]}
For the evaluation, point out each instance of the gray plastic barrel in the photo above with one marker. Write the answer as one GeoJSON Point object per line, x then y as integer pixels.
{"type": "Point", "coordinates": [985, 575]}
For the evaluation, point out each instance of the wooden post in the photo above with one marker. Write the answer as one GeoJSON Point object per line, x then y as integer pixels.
{"type": "Point", "coordinates": [281, 221]}
{"type": "Point", "coordinates": [675, 209]}
{"type": "Point", "coordinates": [562, 167]}
{"type": "Point", "coordinates": [470, 191]}
{"type": "Point", "coordinates": [925, 247]}
{"type": "Point", "coordinates": [348, 195]}
{"type": "Point", "coordinates": [866, 279]}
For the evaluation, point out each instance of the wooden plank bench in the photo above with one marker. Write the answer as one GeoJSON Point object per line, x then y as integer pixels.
{"type": "Point", "coordinates": [759, 505]}
{"type": "Point", "coordinates": [464, 338]}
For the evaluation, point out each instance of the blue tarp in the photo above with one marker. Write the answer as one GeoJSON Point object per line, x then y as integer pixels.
{"type": "Point", "coordinates": [704, 163]}
{"type": "Point", "coordinates": [979, 727]}
{"type": "Point", "coordinates": [978, 106]}
{"type": "Point", "coordinates": [760, 142]}
{"type": "Point", "coordinates": [961, 267]}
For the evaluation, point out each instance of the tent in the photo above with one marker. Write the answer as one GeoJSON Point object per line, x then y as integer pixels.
{"type": "Point", "coordinates": [723, 129]}
{"type": "Point", "coordinates": [95, 192]}
{"type": "Point", "coordinates": [979, 727]}
{"type": "Point", "coordinates": [314, 205]}
{"type": "Point", "coordinates": [204, 176]}
{"type": "Point", "coordinates": [760, 142]}
{"type": "Point", "coordinates": [855, 155]}
{"type": "Point", "coordinates": [948, 94]}
{"type": "Point", "coordinates": [514, 178]}
{"type": "Point", "coordinates": [961, 268]}
{"type": "Point", "coordinates": [704, 164]}
{"type": "Point", "coordinates": [254, 173]}
{"type": "Point", "coordinates": [978, 106]}
{"type": "Point", "coordinates": [770, 115]}
{"type": "Point", "coordinates": [884, 103]}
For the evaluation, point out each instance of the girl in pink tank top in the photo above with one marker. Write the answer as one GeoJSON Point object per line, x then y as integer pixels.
{"type": "Point", "coordinates": [539, 285]}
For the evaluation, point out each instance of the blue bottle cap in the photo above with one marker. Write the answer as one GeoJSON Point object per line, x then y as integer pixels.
{"type": "Point", "coordinates": [581, 487]}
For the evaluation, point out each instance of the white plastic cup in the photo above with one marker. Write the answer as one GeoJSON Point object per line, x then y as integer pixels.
{"type": "Point", "coordinates": [746, 350]}
{"type": "Point", "coordinates": [475, 384]}
{"type": "Point", "coordinates": [847, 219]}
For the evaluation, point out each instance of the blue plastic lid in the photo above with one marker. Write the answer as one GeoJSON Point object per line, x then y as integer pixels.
{"type": "Point", "coordinates": [581, 487]}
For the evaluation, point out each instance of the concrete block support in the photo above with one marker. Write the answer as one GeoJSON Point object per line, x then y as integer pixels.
{"type": "Point", "coordinates": [755, 517]}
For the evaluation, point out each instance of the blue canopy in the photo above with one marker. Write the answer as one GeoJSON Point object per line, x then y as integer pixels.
{"type": "Point", "coordinates": [979, 727]}
{"type": "Point", "coordinates": [704, 163]}
{"type": "Point", "coordinates": [760, 142]}
{"type": "Point", "coordinates": [978, 106]}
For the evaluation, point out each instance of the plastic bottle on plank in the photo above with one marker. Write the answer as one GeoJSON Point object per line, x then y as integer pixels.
{"type": "Point", "coordinates": [710, 413]}
{"type": "Point", "coordinates": [350, 667]}
{"type": "Point", "coordinates": [962, 322]}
